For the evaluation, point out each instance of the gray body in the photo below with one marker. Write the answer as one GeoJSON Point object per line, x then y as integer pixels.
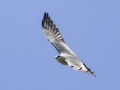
{"type": "Point", "coordinates": [66, 56]}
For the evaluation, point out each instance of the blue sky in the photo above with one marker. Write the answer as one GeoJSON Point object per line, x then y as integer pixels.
{"type": "Point", "coordinates": [91, 28]}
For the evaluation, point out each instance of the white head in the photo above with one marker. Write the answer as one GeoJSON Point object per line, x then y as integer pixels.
{"type": "Point", "coordinates": [61, 60]}
{"type": "Point", "coordinates": [57, 56]}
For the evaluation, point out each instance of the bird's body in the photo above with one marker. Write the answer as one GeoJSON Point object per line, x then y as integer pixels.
{"type": "Point", "coordinates": [66, 56]}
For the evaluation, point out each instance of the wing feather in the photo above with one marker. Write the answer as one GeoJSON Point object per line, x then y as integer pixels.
{"type": "Point", "coordinates": [48, 25]}
{"type": "Point", "coordinates": [54, 36]}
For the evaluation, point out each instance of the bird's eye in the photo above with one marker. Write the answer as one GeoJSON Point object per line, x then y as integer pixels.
{"type": "Point", "coordinates": [57, 57]}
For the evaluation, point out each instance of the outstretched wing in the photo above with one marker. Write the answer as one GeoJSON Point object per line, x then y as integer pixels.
{"type": "Point", "coordinates": [77, 64]}
{"type": "Point", "coordinates": [50, 29]}
{"type": "Point", "coordinates": [53, 35]}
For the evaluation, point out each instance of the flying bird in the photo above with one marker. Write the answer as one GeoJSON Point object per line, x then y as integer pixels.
{"type": "Point", "coordinates": [66, 55]}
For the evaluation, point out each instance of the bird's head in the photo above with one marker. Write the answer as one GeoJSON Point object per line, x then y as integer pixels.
{"type": "Point", "coordinates": [57, 56]}
{"type": "Point", "coordinates": [61, 60]}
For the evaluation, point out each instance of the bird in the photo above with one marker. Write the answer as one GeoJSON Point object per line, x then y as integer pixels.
{"type": "Point", "coordinates": [66, 55]}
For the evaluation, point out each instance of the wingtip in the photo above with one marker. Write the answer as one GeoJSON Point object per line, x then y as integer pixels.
{"type": "Point", "coordinates": [90, 72]}
{"type": "Point", "coordinates": [93, 74]}
{"type": "Point", "coordinates": [45, 13]}
{"type": "Point", "coordinates": [44, 18]}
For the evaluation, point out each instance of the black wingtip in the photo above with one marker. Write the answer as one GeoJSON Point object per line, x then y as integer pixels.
{"type": "Point", "coordinates": [45, 15]}
{"type": "Point", "coordinates": [45, 12]}
{"type": "Point", "coordinates": [90, 72]}
{"type": "Point", "coordinates": [93, 74]}
{"type": "Point", "coordinates": [44, 18]}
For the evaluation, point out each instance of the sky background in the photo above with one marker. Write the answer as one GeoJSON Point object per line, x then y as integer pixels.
{"type": "Point", "coordinates": [91, 28]}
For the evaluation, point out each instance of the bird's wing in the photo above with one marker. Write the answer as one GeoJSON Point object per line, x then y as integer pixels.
{"type": "Point", "coordinates": [53, 35]}
{"type": "Point", "coordinates": [74, 62]}
{"type": "Point", "coordinates": [77, 64]}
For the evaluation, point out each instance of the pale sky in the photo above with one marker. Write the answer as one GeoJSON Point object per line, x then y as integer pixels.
{"type": "Point", "coordinates": [91, 28]}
